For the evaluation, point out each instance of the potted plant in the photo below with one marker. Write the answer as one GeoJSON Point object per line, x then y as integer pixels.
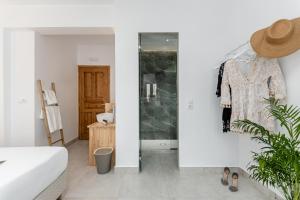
{"type": "Point", "coordinates": [278, 162]}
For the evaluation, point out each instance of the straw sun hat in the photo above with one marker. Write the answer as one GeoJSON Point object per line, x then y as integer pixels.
{"type": "Point", "coordinates": [280, 39]}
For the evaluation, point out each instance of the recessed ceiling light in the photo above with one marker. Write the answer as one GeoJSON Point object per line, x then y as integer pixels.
{"type": "Point", "coordinates": [167, 40]}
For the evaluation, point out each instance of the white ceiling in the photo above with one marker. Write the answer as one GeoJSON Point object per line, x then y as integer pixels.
{"type": "Point", "coordinates": [75, 31]}
{"type": "Point", "coordinates": [56, 2]}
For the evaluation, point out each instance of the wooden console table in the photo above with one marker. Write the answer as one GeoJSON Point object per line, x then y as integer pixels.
{"type": "Point", "coordinates": [101, 135]}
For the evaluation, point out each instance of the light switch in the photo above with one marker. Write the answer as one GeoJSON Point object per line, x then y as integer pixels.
{"type": "Point", "coordinates": [22, 100]}
{"type": "Point", "coordinates": [190, 105]}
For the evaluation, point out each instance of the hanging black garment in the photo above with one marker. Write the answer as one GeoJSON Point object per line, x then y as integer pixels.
{"type": "Point", "coordinates": [226, 119]}
{"type": "Point", "coordinates": [226, 111]}
{"type": "Point", "coordinates": [220, 76]}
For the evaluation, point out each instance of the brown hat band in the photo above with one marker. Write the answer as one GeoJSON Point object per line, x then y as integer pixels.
{"type": "Point", "coordinates": [280, 31]}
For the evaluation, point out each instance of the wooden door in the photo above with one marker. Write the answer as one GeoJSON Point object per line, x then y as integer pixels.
{"type": "Point", "coordinates": [93, 93]}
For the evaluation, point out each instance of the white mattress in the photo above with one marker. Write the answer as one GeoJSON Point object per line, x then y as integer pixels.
{"type": "Point", "coordinates": [29, 170]}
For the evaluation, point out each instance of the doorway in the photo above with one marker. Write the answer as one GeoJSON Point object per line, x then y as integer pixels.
{"type": "Point", "coordinates": [158, 55]}
{"type": "Point", "coordinates": [53, 55]}
{"type": "Point", "coordinates": [93, 93]}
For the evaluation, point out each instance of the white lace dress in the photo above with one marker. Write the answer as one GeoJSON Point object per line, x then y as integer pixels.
{"type": "Point", "coordinates": [248, 90]}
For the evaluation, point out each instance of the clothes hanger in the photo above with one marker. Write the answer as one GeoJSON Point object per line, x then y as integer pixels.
{"type": "Point", "coordinates": [246, 56]}
{"type": "Point", "coordinates": [237, 51]}
{"type": "Point", "coordinates": [243, 53]}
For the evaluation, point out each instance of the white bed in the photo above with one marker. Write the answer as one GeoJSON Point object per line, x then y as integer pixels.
{"type": "Point", "coordinates": [28, 171]}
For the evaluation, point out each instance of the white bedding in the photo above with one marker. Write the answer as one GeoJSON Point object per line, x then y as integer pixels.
{"type": "Point", "coordinates": [29, 170]}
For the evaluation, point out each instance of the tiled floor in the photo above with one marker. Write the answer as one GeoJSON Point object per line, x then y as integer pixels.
{"type": "Point", "coordinates": [159, 180]}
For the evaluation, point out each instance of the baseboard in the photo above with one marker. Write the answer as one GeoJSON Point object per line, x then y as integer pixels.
{"type": "Point", "coordinates": [71, 142]}
{"type": "Point", "coordinates": [126, 169]}
{"type": "Point", "coordinates": [263, 189]}
{"type": "Point", "coordinates": [204, 170]}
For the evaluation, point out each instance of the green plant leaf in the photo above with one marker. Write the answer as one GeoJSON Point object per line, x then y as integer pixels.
{"type": "Point", "coordinates": [278, 162]}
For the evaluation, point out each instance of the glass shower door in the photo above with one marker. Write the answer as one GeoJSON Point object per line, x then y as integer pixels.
{"type": "Point", "coordinates": [157, 89]}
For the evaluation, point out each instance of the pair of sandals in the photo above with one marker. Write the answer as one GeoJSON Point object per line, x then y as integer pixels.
{"type": "Point", "coordinates": [235, 178]}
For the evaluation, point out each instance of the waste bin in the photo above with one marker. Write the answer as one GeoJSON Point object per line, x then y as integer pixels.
{"type": "Point", "coordinates": [103, 159]}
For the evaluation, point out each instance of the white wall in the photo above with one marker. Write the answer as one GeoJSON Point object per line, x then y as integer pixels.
{"type": "Point", "coordinates": [2, 114]}
{"type": "Point", "coordinates": [56, 16]}
{"type": "Point", "coordinates": [7, 89]}
{"type": "Point", "coordinates": [98, 50]}
{"type": "Point", "coordinates": [266, 12]}
{"type": "Point", "coordinates": [57, 58]}
{"type": "Point", "coordinates": [49, 16]}
{"type": "Point", "coordinates": [207, 30]}
{"type": "Point", "coordinates": [56, 62]}
{"type": "Point", "coordinates": [22, 89]}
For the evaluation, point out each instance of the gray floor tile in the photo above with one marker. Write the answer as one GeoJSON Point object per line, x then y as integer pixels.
{"type": "Point", "coordinates": [159, 180]}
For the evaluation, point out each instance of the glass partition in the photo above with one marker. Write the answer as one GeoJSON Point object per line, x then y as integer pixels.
{"type": "Point", "coordinates": [158, 87]}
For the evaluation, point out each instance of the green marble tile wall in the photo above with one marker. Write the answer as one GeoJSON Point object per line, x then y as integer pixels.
{"type": "Point", "coordinates": [158, 95]}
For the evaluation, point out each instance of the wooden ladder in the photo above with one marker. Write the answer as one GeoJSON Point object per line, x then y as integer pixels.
{"type": "Point", "coordinates": [43, 107]}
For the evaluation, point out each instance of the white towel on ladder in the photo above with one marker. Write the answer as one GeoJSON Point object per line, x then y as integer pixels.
{"type": "Point", "coordinates": [50, 97]}
{"type": "Point", "coordinates": [54, 118]}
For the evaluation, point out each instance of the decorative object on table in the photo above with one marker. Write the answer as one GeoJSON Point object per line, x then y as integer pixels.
{"type": "Point", "coordinates": [109, 107]}
{"type": "Point", "coordinates": [224, 179]}
{"type": "Point", "coordinates": [109, 115]}
{"type": "Point", "coordinates": [234, 184]}
{"type": "Point", "coordinates": [105, 117]}
{"type": "Point", "coordinates": [280, 39]}
{"type": "Point", "coordinates": [278, 162]}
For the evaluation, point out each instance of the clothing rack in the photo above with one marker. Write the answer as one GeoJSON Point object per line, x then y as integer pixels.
{"type": "Point", "coordinates": [43, 107]}
{"type": "Point", "coordinates": [234, 53]}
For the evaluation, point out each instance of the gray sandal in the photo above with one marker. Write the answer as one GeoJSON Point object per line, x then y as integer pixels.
{"type": "Point", "coordinates": [226, 173]}
{"type": "Point", "coordinates": [234, 186]}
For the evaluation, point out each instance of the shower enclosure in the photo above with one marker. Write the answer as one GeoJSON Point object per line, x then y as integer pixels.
{"type": "Point", "coordinates": [158, 91]}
